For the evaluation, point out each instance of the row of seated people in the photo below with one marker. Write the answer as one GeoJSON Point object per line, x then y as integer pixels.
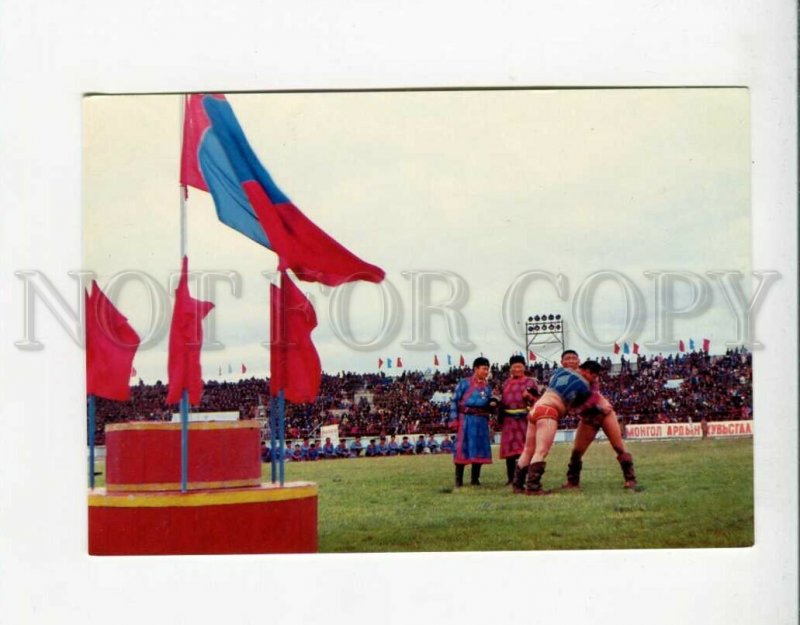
{"type": "Point", "coordinates": [312, 450]}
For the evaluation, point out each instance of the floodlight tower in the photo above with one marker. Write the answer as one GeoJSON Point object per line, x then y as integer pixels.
{"type": "Point", "coordinates": [544, 336]}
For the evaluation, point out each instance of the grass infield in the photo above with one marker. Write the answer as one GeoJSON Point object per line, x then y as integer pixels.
{"type": "Point", "coordinates": [695, 494]}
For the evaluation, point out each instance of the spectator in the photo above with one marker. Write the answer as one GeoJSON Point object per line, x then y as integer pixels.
{"type": "Point", "coordinates": [328, 450]}
{"type": "Point", "coordinates": [341, 449]}
{"type": "Point", "coordinates": [448, 445]}
{"type": "Point", "coordinates": [383, 447]}
{"type": "Point", "coordinates": [406, 448]}
{"type": "Point", "coordinates": [297, 454]}
{"type": "Point", "coordinates": [356, 447]}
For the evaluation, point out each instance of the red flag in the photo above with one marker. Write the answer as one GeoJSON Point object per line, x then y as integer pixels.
{"type": "Point", "coordinates": [244, 369]}
{"type": "Point", "coordinates": [461, 360]}
{"type": "Point", "coordinates": [133, 372]}
{"type": "Point", "coordinates": [531, 356]}
{"type": "Point", "coordinates": [636, 348]}
{"type": "Point", "coordinates": [111, 344]}
{"type": "Point", "coordinates": [399, 362]}
{"type": "Point", "coordinates": [185, 341]}
{"type": "Point", "coordinates": [304, 247]}
{"type": "Point", "coordinates": [706, 345]}
{"type": "Point", "coordinates": [294, 362]}
{"type": "Point", "coordinates": [435, 360]}
{"type": "Point", "coordinates": [380, 363]}
{"type": "Point", "coordinates": [616, 347]}
{"type": "Point", "coordinates": [681, 346]}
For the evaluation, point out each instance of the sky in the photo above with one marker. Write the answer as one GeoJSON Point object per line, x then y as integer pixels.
{"type": "Point", "coordinates": [477, 187]}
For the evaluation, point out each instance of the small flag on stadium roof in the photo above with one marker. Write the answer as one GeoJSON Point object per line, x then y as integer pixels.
{"type": "Point", "coordinates": [531, 356]}
{"type": "Point", "coordinates": [706, 345]}
{"type": "Point", "coordinates": [616, 347]}
{"type": "Point", "coordinates": [691, 344]}
{"type": "Point", "coordinates": [626, 349]}
{"type": "Point", "coordinates": [435, 360]}
{"type": "Point", "coordinates": [449, 360]}
{"type": "Point", "coordinates": [461, 360]}
{"type": "Point", "coordinates": [399, 362]}
{"type": "Point", "coordinates": [681, 346]}
{"type": "Point", "coordinates": [244, 369]}
{"type": "Point", "coordinates": [133, 372]}
{"type": "Point", "coordinates": [636, 348]}
{"type": "Point", "coordinates": [230, 369]}
{"type": "Point", "coordinates": [388, 363]}
{"type": "Point", "coordinates": [380, 362]}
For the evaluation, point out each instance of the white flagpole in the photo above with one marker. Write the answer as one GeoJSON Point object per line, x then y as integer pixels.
{"type": "Point", "coordinates": [184, 405]}
{"type": "Point", "coordinates": [182, 187]}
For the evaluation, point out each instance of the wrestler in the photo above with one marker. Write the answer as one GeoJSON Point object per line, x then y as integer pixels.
{"type": "Point", "coordinates": [472, 406]}
{"type": "Point", "coordinates": [597, 413]}
{"type": "Point", "coordinates": [567, 389]}
{"type": "Point", "coordinates": [519, 393]}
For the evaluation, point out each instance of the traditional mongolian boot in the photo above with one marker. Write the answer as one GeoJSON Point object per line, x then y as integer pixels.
{"type": "Point", "coordinates": [510, 464]}
{"type": "Point", "coordinates": [626, 464]}
{"type": "Point", "coordinates": [518, 481]}
{"type": "Point", "coordinates": [574, 471]}
{"type": "Point", "coordinates": [459, 475]}
{"type": "Point", "coordinates": [475, 475]}
{"type": "Point", "coordinates": [533, 482]}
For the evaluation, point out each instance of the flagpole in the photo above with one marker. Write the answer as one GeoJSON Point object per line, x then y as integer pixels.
{"type": "Point", "coordinates": [281, 407]}
{"type": "Point", "coordinates": [92, 415]}
{"type": "Point", "coordinates": [282, 347]}
{"type": "Point", "coordinates": [185, 395]}
{"type": "Point", "coordinates": [184, 440]}
{"type": "Point", "coordinates": [182, 187]}
{"type": "Point", "coordinates": [273, 460]}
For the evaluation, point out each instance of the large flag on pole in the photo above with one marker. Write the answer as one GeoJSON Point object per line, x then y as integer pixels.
{"type": "Point", "coordinates": [111, 344]}
{"type": "Point", "coordinates": [294, 362]}
{"type": "Point", "coordinates": [185, 341]}
{"type": "Point", "coordinates": [217, 158]}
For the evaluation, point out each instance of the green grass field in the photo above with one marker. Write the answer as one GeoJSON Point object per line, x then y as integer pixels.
{"type": "Point", "coordinates": [696, 494]}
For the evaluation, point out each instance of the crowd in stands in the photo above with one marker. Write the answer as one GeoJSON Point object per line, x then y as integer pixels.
{"type": "Point", "coordinates": [373, 404]}
{"type": "Point", "coordinates": [311, 449]}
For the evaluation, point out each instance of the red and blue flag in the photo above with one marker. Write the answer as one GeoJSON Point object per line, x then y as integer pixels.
{"type": "Point", "coordinates": [218, 158]}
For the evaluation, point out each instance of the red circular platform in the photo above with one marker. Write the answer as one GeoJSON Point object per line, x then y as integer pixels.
{"type": "Point", "coordinates": [226, 508]}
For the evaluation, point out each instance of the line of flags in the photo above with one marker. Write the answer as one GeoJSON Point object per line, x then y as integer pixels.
{"type": "Point", "coordinates": [397, 363]}
{"type": "Point", "coordinates": [626, 348]}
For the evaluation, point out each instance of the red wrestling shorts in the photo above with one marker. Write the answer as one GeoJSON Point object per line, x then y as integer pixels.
{"type": "Point", "coordinates": [542, 412]}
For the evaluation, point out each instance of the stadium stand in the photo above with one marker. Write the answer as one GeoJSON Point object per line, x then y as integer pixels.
{"type": "Point", "coordinates": [655, 389]}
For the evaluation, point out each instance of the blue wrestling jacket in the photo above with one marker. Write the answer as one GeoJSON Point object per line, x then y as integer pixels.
{"type": "Point", "coordinates": [571, 386]}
